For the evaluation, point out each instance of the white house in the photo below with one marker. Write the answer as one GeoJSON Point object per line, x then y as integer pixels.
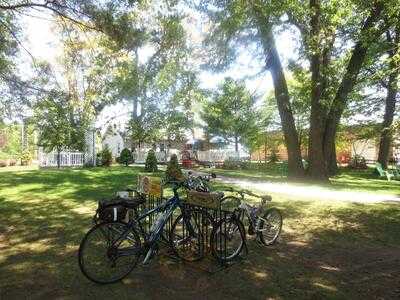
{"type": "Point", "coordinates": [113, 140]}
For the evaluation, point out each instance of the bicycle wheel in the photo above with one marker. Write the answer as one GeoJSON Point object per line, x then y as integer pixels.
{"type": "Point", "coordinates": [98, 258]}
{"type": "Point", "coordinates": [269, 226]}
{"type": "Point", "coordinates": [189, 233]}
{"type": "Point", "coordinates": [227, 239]}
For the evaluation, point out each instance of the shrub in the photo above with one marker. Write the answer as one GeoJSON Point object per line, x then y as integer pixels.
{"type": "Point", "coordinates": [174, 171]}
{"type": "Point", "coordinates": [151, 162]}
{"type": "Point", "coordinates": [274, 157]}
{"type": "Point", "coordinates": [125, 157]}
{"type": "Point", "coordinates": [25, 157]}
{"type": "Point", "coordinates": [236, 164]}
{"type": "Point", "coordinates": [3, 163]}
{"type": "Point", "coordinates": [98, 159]}
{"type": "Point", "coordinates": [106, 157]}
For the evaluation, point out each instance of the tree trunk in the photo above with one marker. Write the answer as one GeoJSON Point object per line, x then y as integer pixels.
{"type": "Point", "coordinates": [58, 158]}
{"type": "Point", "coordinates": [265, 151]}
{"type": "Point", "coordinates": [386, 136]}
{"type": "Point", "coordinates": [390, 103]}
{"type": "Point", "coordinates": [273, 63]}
{"type": "Point", "coordinates": [347, 84]}
{"type": "Point", "coordinates": [317, 167]}
{"type": "Point", "coordinates": [331, 161]}
{"type": "Point", "coordinates": [236, 144]}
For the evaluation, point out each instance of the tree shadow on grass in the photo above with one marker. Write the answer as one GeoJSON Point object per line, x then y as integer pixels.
{"type": "Point", "coordinates": [336, 252]}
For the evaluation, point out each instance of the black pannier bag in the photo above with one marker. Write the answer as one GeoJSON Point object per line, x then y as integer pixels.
{"type": "Point", "coordinates": [108, 212]}
{"type": "Point", "coordinates": [116, 209]}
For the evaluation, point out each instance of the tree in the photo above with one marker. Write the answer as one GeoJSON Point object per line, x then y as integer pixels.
{"type": "Point", "coordinates": [125, 157]}
{"type": "Point", "coordinates": [61, 123]}
{"type": "Point", "coordinates": [106, 157]}
{"type": "Point", "coordinates": [392, 88]}
{"type": "Point", "coordinates": [325, 28]}
{"type": "Point", "coordinates": [151, 162]}
{"type": "Point", "coordinates": [17, 96]}
{"type": "Point", "coordinates": [376, 93]}
{"type": "Point", "coordinates": [52, 118]}
{"type": "Point", "coordinates": [146, 130]}
{"type": "Point", "coordinates": [231, 114]}
{"type": "Point", "coordinates": [173, 171]}
{"type": "Point", "coordinates": [237, 22]}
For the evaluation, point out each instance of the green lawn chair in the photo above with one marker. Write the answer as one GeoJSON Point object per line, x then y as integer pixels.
{"type": "Point", "coordinates": [383, 173]}
{"type": "Point", "coordinates": [396, 172]}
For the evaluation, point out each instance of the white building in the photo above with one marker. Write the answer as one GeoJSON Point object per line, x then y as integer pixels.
{"type": "Point", "coordinates": [113, 140]}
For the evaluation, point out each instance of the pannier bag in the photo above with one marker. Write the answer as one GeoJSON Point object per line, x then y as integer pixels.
{"type": "Point", "coordinates": [116, 209]}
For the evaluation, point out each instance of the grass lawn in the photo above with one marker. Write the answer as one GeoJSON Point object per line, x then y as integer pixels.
{"type": "Point", "coordinates": [347, 179]}
{"type": "Point", "coordinates": [327, 249]}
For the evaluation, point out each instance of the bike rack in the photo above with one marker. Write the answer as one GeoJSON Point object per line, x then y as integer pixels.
{"type": "Point", "coordinates": [206, 217]}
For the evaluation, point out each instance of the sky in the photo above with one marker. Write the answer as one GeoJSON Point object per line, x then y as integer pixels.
{"type": "Point", "coordinates": [42, 43]}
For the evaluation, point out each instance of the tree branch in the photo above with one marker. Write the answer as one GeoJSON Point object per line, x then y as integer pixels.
{"type": "Point", "coordinates": [52, 6]}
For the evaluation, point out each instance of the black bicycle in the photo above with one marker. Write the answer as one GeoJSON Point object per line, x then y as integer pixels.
{"type": "Point", "coordinates": [111, 250]}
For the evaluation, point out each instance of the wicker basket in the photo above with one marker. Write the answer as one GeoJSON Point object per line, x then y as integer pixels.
{"type": "Point", "coordinates": [209, 200]}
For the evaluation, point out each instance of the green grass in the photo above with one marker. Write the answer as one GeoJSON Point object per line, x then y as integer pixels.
{"type": "Point", "coordinates": [328, 250]}
{"type": "Point", "coordinates": [347, 179]}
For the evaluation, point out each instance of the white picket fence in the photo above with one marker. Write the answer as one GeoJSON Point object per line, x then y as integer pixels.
{"type": "Point", "coordinates": [213, 156]}
{"type": "Point", "coordinates": [67, 159]}
{"type": "Point", "coordinates": [216, 155]}
{"type": "Point", "coordinates": [140, 156]}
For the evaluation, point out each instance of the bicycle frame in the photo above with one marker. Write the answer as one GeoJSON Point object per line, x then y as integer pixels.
{"type": "Point", "coordinates": [153, 236]}
{"type": "Point", "coordinates": [168, 208]}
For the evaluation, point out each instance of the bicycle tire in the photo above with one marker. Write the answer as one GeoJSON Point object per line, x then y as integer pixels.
{"type": "Point", "coordinates": [222, 233]}
{"type": "Point", "coordinates": [190, 246]}
{"type": "Point", "coordinates": [272, 215]}
{"type": "Point", "coordinates": [103, 229]}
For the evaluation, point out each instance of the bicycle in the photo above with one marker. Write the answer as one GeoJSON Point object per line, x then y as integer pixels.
{"type": "Point", "coordinates": [200, 183]}
{"type": "Point", "coordinates": [111, 250]}
{"type": "Point", "coordinates": [228, 237]}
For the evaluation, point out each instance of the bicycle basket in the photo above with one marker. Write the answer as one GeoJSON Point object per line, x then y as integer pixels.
{"type": "Point", "coordinates": [209, 200]}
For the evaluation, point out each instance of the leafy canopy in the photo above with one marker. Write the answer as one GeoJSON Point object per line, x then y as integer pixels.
{"type": "Point", "coordinates": [231, 113]}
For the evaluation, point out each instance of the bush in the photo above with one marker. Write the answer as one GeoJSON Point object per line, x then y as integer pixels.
{"type": "Point", "coordinates": [106, 157]}
{"type": "Point", "coordinates": [174, 171]}
{"type": "Point", "coordinates": [98, 159]}
{"type": "Point", "coordinates": [274, 157]}
{"type": "Point", "coordinates": [151, 162]}
{"type": "Point", "coordinates": [237, 164]}
{"type": "Point", "coordinates": [25, 158]}
{"type": "Point", "coordinates": [230, 164]}
{"type": "Point", "coordinates": [125, 157]}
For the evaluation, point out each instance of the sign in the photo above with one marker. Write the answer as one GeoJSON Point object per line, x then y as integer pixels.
{"type": "Point", "coordinates": [150, 185]}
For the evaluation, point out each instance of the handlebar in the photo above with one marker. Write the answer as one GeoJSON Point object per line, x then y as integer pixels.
{"type": "Point", "coordinates": [206, 177]}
